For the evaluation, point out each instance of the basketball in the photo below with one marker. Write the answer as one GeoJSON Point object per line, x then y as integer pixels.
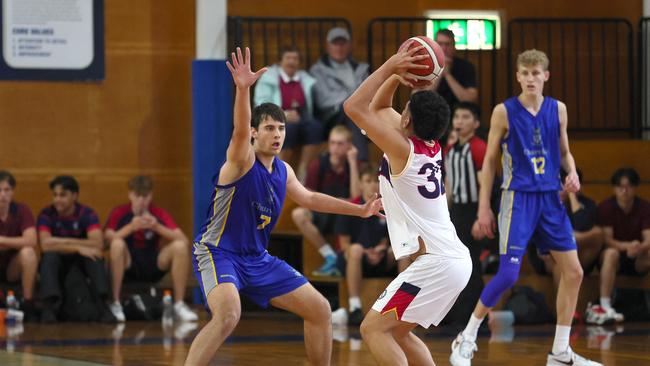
{"type": "Point", "coordinates": [436, 60]}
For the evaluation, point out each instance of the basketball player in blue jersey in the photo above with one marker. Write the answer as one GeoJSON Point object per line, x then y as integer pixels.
{"type": "Point", "coordinates": [229, 253]}
{"type": "Point", "coordinates": [531, 130]}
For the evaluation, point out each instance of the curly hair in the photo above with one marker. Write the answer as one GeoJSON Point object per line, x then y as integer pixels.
{"type": "Point", "coordinates": [429, 114]}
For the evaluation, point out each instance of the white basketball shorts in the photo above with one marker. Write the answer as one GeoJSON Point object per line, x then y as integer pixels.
{"type": "Point", "coordinates": [426, 290]}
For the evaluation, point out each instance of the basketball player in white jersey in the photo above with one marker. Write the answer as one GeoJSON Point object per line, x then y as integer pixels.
{"type": "Point", "coordinates": [413, 196]}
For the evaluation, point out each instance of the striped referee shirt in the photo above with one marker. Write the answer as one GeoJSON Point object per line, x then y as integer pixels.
{"type": "Point", "coordinates": [462, 162]}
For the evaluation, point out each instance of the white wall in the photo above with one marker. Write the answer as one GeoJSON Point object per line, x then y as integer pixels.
{"type": "Point", "coordinates": [211, 28]}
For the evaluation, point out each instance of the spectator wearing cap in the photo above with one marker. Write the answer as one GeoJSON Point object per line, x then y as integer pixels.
{"type": "Point", "coordinates": [338, 75]}
{"type": "Point", "coordinates": [291, 88]}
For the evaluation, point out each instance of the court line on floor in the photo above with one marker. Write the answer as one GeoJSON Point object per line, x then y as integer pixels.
{"type": "Point", "coordinates": [19, 359]}
{"type": "Point", "coordinates": [131, 341]}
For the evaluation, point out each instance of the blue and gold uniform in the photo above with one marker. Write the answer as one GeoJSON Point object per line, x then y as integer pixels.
{"type": "Point", "coordinates": [231, 245]}
{"type": "Point", "coordinates": [530, 201]}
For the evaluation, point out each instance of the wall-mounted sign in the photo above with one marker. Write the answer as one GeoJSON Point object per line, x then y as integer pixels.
{"type": "Point", "coordinates": [52, 40]}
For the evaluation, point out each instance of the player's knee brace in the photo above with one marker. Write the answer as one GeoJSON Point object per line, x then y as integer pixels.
{"type": "Point", "coordinates": [504, 279]}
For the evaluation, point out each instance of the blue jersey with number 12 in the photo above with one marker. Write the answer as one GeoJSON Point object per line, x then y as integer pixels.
{"type": "Point", "coordinates": [531, 148]}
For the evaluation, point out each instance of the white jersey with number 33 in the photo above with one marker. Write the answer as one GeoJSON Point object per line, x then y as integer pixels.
{"type": "Point", "coordinates": [416, 206]}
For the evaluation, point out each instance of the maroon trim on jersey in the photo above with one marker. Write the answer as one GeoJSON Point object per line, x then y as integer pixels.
{"type": "Point", "coordinates": [115, 216]}
{"type": "Point", "coordinates": [425, 148]}
{"type": "Point", "coordinates": [93, 227]}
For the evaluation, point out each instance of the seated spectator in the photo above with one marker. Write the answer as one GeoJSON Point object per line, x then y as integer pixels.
{"type": "Point", "coordinates": [368, 255]}
{"type": "Point", "coordinates": [464, 155]}
{"type": "Point", "coordinates": [18, 259]}
{"type": "Point", "coordinates": [458, 82]}
{"type": "Point", "coordinates": [292, 89]}
{"type": "Point", "coordinates": [335, 173]}
{"type": "Point", "coordinates": [583, 213]}
{"type": "Point", "coordinates": [70, 235]}
{"type": "Point", "coordinates": [625, 219]}
{"type": "Point", "coordinates": [338, 75]}
{"type": "Point", "coordinates": [145, 243]}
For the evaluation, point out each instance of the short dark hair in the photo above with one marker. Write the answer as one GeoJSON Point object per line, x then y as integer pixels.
{"type": "Point", "coordinates": [264, 110]}
{"type": "Point", "coordinates": [368, 169]}
{"type": "Point", "coordinates": [629, 173]}
{"type": "Point", "coordinates": [141, 185]}
{"type": "Point", "coordinates": [66, 182]}
{"type": "Point", "coordinates": [287, 49]}
{"type": "Point", "coordinates": [6, 176]}
{"type": "Point", "coordinates": [473, 108]}
{"type": "Point", "coordinates": [429, 115]}
{"type": "Point", "coordinates": [448, 33]}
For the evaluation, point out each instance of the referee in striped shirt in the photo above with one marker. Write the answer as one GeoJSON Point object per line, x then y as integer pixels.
{"type": "Point", "coordinates": [464, 155]}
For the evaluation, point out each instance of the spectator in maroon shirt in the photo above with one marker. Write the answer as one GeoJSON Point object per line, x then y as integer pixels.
{"type": "Point", "coordinates": [70, 235]}
{"type": "Point", "coordinates": [145, 243]}
{"type": "Point", "coordinates": [18, 259]}
{"type": "Point", "coordinates": [292, 89]}
{"type": "Point", "coordinates": [625, 219]}
{"type": "Point", "coordinates": [335, 173]}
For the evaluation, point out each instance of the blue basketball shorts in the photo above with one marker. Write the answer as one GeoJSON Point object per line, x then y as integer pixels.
{"type": "Point", "coordinates": [533, 215]}
{"type": "Point", "coordinates": [259, 277]}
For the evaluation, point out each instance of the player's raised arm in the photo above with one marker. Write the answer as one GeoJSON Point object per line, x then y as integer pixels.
{"type": "Point", "coordinates": [374, 122]}
{"type": "Point", "coordinates": [240, 155]}
{"type": "Point", "coordinates": [572, 182]}
{"type": "Point", "coordinates": [498, 129]}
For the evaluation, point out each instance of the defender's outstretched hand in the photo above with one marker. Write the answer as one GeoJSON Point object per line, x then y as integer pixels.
{"type": "Point", "coordinates": [373, 207]}
{"type": "Point", "coordinates": [240, 68]}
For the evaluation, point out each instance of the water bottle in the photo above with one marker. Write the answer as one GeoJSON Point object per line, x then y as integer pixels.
{"type": "Point", "coordinates": [168, 308]}
{"type": "Point", "coordinates": [14, 315]}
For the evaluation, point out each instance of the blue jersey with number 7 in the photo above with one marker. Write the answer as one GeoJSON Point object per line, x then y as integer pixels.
{"type": "Point", "coordinates": [531, 148]}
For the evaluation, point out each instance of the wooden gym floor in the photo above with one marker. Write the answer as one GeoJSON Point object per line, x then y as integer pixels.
{"type": "Point", "coordinates": [274, 338]}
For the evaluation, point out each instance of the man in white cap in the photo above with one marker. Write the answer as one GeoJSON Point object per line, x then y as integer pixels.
{"type": "Point", "coordinates": [338, 75]}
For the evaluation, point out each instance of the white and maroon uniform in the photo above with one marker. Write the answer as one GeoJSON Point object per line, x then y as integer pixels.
{"type": "Point", "coordinates": [416, 207]}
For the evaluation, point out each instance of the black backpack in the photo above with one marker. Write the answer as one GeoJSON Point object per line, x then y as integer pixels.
{"type": "Point", "coordinates": [80, 301]}
{"type": "Point", "coordinates": [529, 306]}
{"type": "Point", "coordinates": [143, 306]}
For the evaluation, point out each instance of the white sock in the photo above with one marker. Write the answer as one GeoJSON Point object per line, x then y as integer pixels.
{"type": "Point", "coordinates": [471, 331]}
{"type": "Point", "coordinates": [355, 303]}
{"type": "Point", "coordinates": [326, 251]}
{"type": "Point", "coordinates": [561, 341]}
{"type": "Point", "coordinates": [606, 302]}
{"type": "Point", "coordinates": [178, 303]}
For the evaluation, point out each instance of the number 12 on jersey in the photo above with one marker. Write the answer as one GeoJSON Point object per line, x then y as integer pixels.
{"type": "Point", "coordinates": [538, 164]}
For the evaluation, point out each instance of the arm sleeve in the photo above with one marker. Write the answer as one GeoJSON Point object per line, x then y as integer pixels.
{"type": "Point", "coordinates": [113, 219]}
{"type": "Point", "coordinates": [478, 147]}
{"type": "Point", "coordinates": [91, 221]}
{"type": "Point", "coordinates": [165, 218]}
{"type": "Point", "coordinates": [26, 218]}
{"type": "Point", "coordinates": [645, 219]}
{"type": "Point", "coordinates": [604, 214]}
{"type": "Point", "coordinates": [311, 182]}
{"type": "Point", "coordinates": [44, 222]}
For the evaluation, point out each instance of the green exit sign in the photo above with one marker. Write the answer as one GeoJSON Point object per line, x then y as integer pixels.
{"type": "Point", "coordinates": [472, 30]}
